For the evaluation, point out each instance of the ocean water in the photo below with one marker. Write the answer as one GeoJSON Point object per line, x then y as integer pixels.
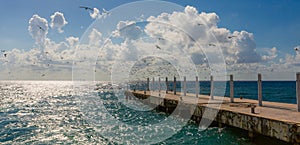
{"type": "Point", "coordinates": [274, 91]}
{"type": "Point", "coordinates": [48, 112]}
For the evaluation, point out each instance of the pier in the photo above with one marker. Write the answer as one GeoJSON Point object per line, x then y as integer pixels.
{"type": "Point", "coordinates": [276, 120]}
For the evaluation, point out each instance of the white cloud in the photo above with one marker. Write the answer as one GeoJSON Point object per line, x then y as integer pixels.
{"type": "Point", "coordinates": [72, 41]}
{"type": "Point", "coordinates": [38, 28]}
{"type": "Point", "coordinates": [237, 47]}
{"type": "Point", "coordinates": [95, 14]}
{"type": "Point", "coordinates": [58, 21]}
{"type": "Point", "coordinates": [127, 30]}
{"type": "Point", "coordinates": [271, 54]}
{"type": "Point", "coordinates": [174, 32]}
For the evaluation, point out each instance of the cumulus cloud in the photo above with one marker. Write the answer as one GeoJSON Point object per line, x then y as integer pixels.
{"type": "Point", "coordinates": [38, 28]}
{"type": "Point", "coordinates": [271, 54]}
{"type": "Point", "coordinates": [95, 14]}
{"type": "Point", "coordinates": [58, 21]}
{"type": "Point", "coordinates": [72, 41]}
{"type": "Point", "coordinates": [175, 34]}
{"type": "Point", "coordinates": [237, 47]}
{"type": "Point", "coordinates": [127, 30]}
{"type": "Point", "coordinates": [293, 60]}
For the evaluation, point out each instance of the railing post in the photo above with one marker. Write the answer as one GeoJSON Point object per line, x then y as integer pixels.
{"type": "Point", "coordinates": [197, 87]}
{"type": "Point", "coordinates": [159, 86]}
{"type": "Point", "coordinates": [184, 85]}
{"type": "Point", "coordinates": [174, 86]}
{"type": "Point", "coordinates": [134, 87]}
{"type": "Point", "coordinates": [145, 88]}
{"type": "Point", "coordinates": [153, 84]}
{"type": "Point", "coordinates": [298, 90]}
{"type": "Point", "coordinates": [259, 82]}
{"type": "Point", "coordinates": [211, 87]}
{"type": "Point", "coordinates": [167, 85]}
{"type": "Point", "coordinates": [148, 84]}
{"type": "Point", "coordinates": [231, 89]}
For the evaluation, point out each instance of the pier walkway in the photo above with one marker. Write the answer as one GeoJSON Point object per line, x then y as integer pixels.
{"type": "Point", "coordinates": [276, 120]}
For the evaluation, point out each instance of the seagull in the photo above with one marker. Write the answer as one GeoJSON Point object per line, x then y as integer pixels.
{"type": "Point", "coordinates": [211, 44]}
{"type": "Point", "coordinates": [41, 28]}
{"type": "Point", "coordinates": [199, 24]}
{"type": "Point", "coordinates": [157, 47]}
{"type": "Point", "coordinates": [86, 8]}
{"type": "Point", "coordinates": [161, 38]}
{"type": "Point", "coordinates": [229, 37]}
{"type": "Point", "coordinates": [105, 11]}
{"type": "Point", "coordinates": [43, 75]}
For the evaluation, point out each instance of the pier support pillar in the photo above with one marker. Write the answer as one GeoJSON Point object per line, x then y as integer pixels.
{"type": "Point", "coordinates": [184, 86]}
{"type": "Point", "coordinates": [259, 84]}
{"type": "Point", "coordinates": [250, 134]}
{"type": "Point", "coordinates": [211, 87]}
{"type": "Point", "coordinates": [220, 125]}
{"type": "Point", "coordinates": [167, 85]}
{"type": "Point", "coordinates": [231, 89]}
{"type": "Point", "coordinates": [298, 90]}
{"type": "Point", "coordinates": [197, 87]}
{"type": "Point", "coordinates": [174, 86]}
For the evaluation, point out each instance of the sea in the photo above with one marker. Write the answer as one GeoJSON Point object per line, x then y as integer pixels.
{"type": "Point", "coordinates": [56, 112]}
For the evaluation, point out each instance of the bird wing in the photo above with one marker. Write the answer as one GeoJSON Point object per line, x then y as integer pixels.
{"type": "Point", "coordinates": [105, 11]}
{"type": "Point", "coordinates": [41, 27]}
{"type": "Point", "coordinates": [87, 8]}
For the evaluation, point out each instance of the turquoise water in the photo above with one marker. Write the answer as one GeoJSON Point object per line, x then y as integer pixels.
{"type": "Point", "coordinates": [274, 91]}
{"type": "Point", "coordinates": [33, 112]}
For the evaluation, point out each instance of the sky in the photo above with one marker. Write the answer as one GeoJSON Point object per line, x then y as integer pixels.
{"type": "Point", "coordinates": [269, 28]}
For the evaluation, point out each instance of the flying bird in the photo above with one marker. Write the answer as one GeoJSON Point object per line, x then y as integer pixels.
{"type": "Point", "coordinates": [105, 11]}
{"type": "Point", "coordinates": [41, 28]}
{"type": "Point", "coordinates": [211, 44]}
{"type": "Point", "coordinates": [86, 8]}
{"type": "Point", "coordinates": [161, 38]}
{"type": "Point", "coordinates": [229, 37]}
{"type": "Point", "coordinates": [157, 47]}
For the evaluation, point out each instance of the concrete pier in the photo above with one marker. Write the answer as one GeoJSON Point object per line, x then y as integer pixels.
{"type": "Point", "coordinates": [277, 120]}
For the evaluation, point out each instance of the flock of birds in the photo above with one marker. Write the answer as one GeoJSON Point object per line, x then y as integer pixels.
{"type": "Point", "coordinates": [91, 9]}
{"type": "Point", "coordinates": [5, 54]}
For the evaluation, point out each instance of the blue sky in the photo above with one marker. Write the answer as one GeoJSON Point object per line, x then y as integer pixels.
{"type": "Point", "coordinates": [273, 23]}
